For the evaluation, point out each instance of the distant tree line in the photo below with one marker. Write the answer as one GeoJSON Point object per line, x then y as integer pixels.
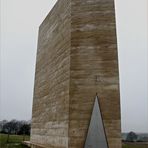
{"type": "Point", "coordinates": [15, 127]}
{"type": "Point", "coordinates": [133, 137]}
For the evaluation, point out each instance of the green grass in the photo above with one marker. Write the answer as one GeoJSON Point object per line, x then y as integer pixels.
{"type": "Point", "coordinates": [134, 146]}
{"type": "Point", "coordinates": [14, 141]}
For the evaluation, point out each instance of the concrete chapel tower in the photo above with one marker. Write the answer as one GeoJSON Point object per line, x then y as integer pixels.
{"type": "Point", "coordinates": [76, 59]}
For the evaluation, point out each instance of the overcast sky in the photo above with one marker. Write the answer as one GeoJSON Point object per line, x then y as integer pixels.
{"type": "Point", "coordinates": [20, 20]}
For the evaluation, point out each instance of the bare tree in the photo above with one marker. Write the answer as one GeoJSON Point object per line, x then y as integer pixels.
{"type": "Point", "coordinates": [15, 127]}
{"type": "Point", "coordinates": [10, 127]}
{"type": "Point", "coordinates": [25, 129]}
{"type": "Point", "coordinates": [2, 123]}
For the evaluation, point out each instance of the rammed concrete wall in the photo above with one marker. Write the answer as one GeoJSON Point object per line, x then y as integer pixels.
{"type": "Point", "coordinates": [76, 58]}
{"type": "Point", "coordinates": [51, 94]}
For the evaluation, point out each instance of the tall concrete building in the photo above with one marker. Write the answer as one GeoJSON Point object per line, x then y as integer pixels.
{"type": "Point", "coordinates": [76, 58]}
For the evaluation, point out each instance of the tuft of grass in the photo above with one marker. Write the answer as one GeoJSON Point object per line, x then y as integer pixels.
{"type": "Point", "coordinates": [15, 141]}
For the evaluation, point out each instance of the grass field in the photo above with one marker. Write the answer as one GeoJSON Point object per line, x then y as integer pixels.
{"type": "Point", "coordinates": [15, 142]}
{"type": "Point", "coordinates": [135, 146]}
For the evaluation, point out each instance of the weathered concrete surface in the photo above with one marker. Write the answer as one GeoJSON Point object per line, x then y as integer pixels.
{"type": "Point", "coordinates": [76, 58]}
{"type": "Point", "coordinates": [51, 95]}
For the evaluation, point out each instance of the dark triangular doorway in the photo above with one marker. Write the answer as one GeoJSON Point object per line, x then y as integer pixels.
{"type": "Point", "coordinates": [96, 137]}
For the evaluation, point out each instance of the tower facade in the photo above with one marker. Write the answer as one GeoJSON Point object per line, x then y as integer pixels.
{"type": "Point", "coordinates": [76, 59]}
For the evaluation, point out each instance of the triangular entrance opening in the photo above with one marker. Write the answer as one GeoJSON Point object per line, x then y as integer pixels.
{"type": "Point", "coordinates": [96, 136]}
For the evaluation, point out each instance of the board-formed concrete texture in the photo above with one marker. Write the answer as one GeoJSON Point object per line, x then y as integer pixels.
{"type": "Point", "coordinates": [76, 58]}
